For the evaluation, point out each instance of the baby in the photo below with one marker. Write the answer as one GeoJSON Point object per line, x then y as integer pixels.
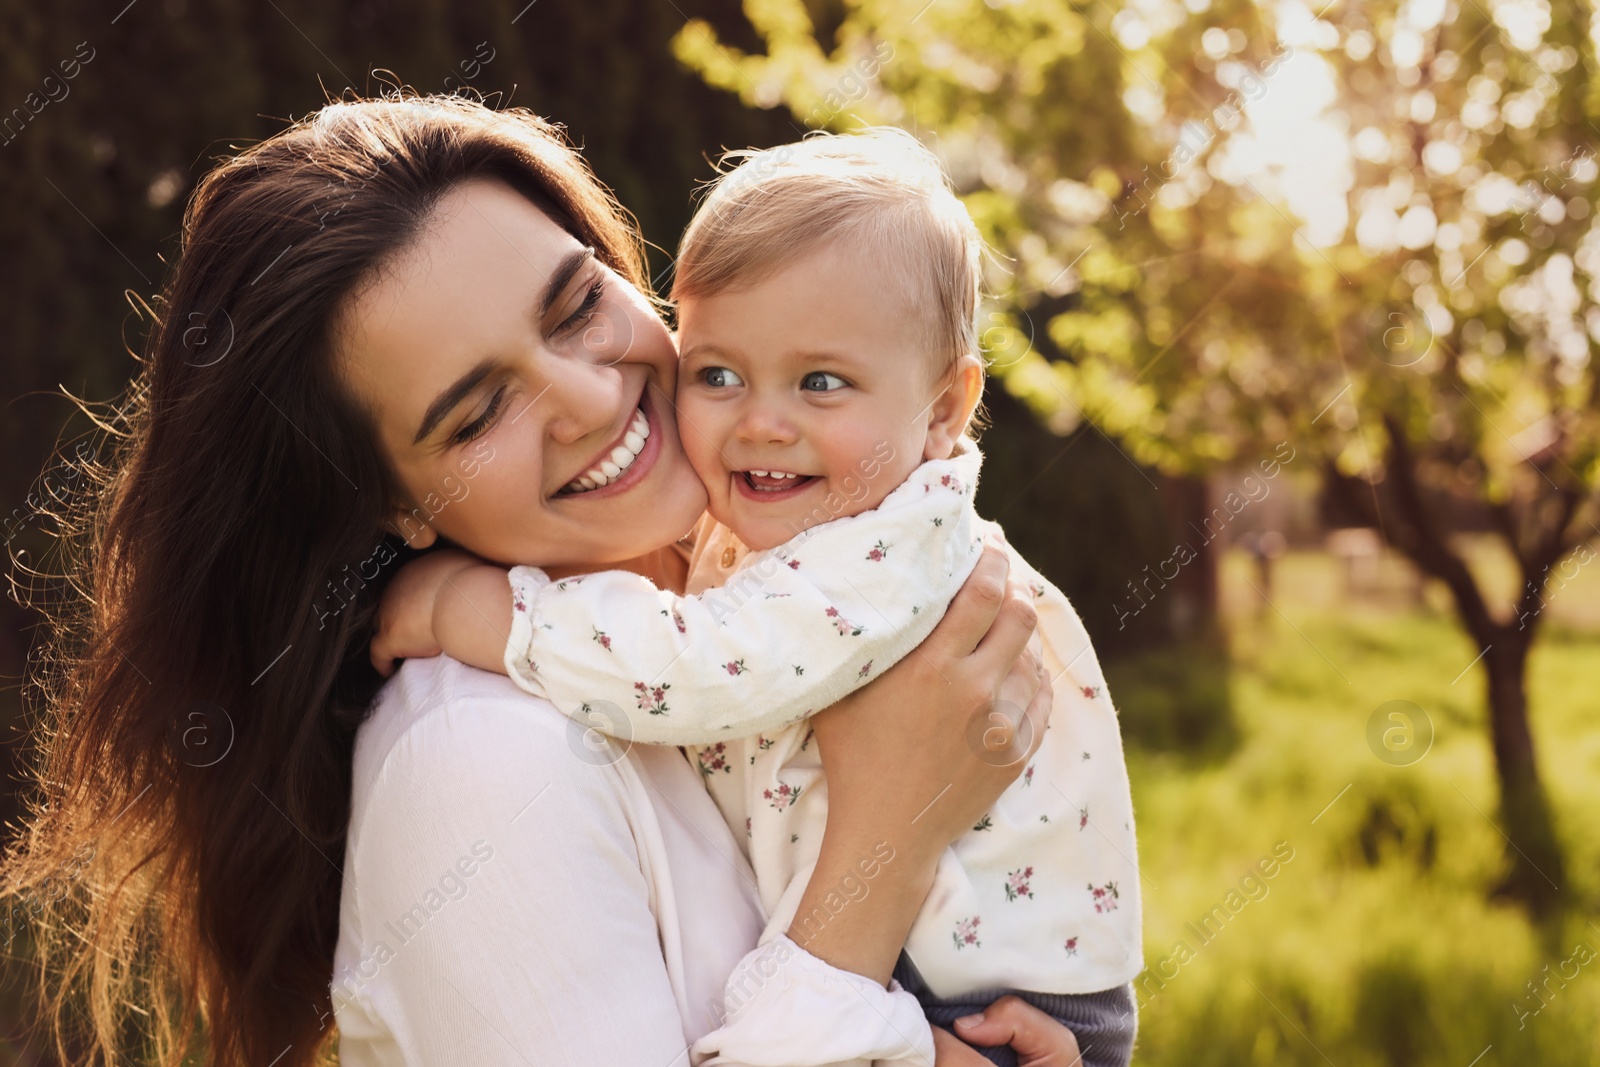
{"type": "Point", "coordinates": [827, 295]}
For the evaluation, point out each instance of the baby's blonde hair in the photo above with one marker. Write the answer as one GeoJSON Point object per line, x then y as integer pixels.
{"type": "Point", "coordinates": [879, 189]}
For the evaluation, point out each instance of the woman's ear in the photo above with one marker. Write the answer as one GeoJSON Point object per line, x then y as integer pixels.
{"type": "Point", "coordinates": [410, 527]}
{"type": "Point", "coordinates": [951, 410]}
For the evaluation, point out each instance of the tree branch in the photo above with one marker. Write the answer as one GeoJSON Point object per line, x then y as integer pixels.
{"type": "Point", "coordinates": [1419, 537]}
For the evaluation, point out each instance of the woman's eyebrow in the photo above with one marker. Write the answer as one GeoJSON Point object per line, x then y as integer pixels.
{"type": "Point", "coordinates": [462, 387]}
{"type": "Point", "coordinates": [453, 394]}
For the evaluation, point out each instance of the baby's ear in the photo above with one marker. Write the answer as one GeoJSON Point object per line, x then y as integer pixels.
{"type": "Point", "coordinates": [960, 389]}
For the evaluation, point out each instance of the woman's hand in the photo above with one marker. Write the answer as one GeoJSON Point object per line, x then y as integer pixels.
{"type": "Point", "coordinates": [1038, 1040]}
{"type": "Point", "coordinates": [927, 748]}
{"type": "Point", "coordinates": [914, 759]}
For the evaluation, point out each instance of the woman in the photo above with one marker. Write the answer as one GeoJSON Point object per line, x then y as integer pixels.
{"type": "Point", "coordinates": [409, 318]}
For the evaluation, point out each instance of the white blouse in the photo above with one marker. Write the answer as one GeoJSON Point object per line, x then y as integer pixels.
{"type": "Point", "coordinates": [517, 891]}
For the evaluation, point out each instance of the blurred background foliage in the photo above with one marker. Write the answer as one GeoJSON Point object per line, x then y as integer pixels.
{"type": "Point", "coordinates": [1291, 313]}
{"type": "Point", "coordinates": [1245, 227]}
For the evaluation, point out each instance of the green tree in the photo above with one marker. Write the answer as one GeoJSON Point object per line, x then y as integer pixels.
{"type": "Point", "coordinates": [1363, 231]}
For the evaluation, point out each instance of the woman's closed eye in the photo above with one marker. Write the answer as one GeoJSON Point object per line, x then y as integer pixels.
{"type": "Point", "coordinates": [584, 311]}
{"type": "Point", "coordinates": [478, 425]}
{"type": "Point", "coordinates": [822, 382]}
{"type": "Point", "coordinates": [720, 377]}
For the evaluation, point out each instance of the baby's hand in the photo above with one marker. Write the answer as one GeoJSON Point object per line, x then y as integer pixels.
{"type": "Point", "coordinates": [405, 614]}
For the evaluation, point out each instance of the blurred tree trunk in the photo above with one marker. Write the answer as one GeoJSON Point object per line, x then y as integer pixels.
{"type": "Point", "coordinates": [1410, 520]}
{"type": "Point", "coordinates": [1195, 601]}
{"type": "Point", "coordinates": [1535, 853]}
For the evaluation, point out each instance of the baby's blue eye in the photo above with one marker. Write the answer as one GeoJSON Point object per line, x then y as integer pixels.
{"type": "Point", "coordinates": [720, 377]}
{"type": "Point", "coordinates": [822, 382]}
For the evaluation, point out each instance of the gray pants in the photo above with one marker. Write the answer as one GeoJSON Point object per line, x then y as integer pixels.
{"type": "Point", "coordinates": [1104, 1023]}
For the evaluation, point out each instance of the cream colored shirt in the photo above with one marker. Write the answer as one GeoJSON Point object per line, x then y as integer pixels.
{"type": "Point", "coordinates": [1042, 894]}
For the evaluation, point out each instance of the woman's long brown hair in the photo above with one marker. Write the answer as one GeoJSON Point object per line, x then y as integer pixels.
{"type": "Point", "coordinates": [206, 671]}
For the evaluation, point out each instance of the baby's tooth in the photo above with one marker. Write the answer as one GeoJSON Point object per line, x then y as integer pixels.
{"type": "Point", "coordinates": [640, 424]}
{"type": "Point", "coordinates": [632, 441]}
{"type": "Point", "coordinates": [599, 477]}
{"type": "Point", "coordinates": [609, 469]}
{"type": "Point", "coordinates": [587, 483]}
{"type": "Point", "coordinates": [759, 474]}
{"type": "Point", "coordinates": [621, 457]}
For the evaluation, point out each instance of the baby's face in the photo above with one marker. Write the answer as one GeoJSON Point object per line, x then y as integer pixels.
{"type": "Point", "coordinates": [803, 398]}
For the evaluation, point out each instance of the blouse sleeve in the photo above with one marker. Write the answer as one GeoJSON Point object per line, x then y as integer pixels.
{"type": "Point", "coordinates": [793, 631]}
{"type": "Point", "coordinates": [784, 1006]}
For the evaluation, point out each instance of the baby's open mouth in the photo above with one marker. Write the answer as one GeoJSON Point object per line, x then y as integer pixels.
{"type": "Point", "coordinates": [611, 466]}
{"type": "Point", "coordinates": [774, 481]}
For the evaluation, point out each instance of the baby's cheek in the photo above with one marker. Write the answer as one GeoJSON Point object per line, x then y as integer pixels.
{"type": "Point", "coordinates": [693, 424]}
{"type": "Point", "coordinates": [874, 467]}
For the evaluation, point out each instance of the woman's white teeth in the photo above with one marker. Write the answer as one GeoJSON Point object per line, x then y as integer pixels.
{"type": "Point", "coordinates": [621, 458]}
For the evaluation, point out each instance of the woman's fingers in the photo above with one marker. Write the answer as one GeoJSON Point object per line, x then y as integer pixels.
{"type": "Point", "coordinates": [1011, 631]}
{"type": "Point", "coordinates": [972, 612]}
{"type": "Point", "coordinates": [1014, 723]}
{"type": "Point", "coordinates": [975, 693]}
{"type": "Point", "coordinates": [1038, 1040]}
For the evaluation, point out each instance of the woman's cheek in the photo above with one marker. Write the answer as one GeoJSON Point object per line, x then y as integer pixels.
{"type": "Point", "coordinates": [480, 453]}
{"type": "Point", "coordinates": [504, 479]}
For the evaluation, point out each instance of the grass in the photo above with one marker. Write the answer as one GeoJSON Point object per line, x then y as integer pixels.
{"type": "Point", "coordinates": [1377, 942]}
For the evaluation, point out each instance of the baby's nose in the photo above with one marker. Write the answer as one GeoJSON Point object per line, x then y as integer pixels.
{"type": "Point", "coordinates": [764, 423]}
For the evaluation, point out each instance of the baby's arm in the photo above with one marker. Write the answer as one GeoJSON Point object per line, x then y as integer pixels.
{"type": "Point", "coordinates": [793, 631]}
{"type": "Point", "coordinates": [447, 601]}
{"type": "Point", "coordinates": [472, 617]}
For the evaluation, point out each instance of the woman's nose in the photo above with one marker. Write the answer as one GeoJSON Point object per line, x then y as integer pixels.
{"type": "Point", "coordinates": [580, 399]}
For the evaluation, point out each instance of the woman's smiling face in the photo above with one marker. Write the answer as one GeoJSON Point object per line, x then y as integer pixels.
{"type": "Point", "coordinates": [507, 370]}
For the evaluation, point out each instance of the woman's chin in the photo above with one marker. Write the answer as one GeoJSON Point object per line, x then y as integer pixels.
{"type": "Point", "coordinates": [658, 514]}
{"type": "Point", "coordinates": [688, 503]}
